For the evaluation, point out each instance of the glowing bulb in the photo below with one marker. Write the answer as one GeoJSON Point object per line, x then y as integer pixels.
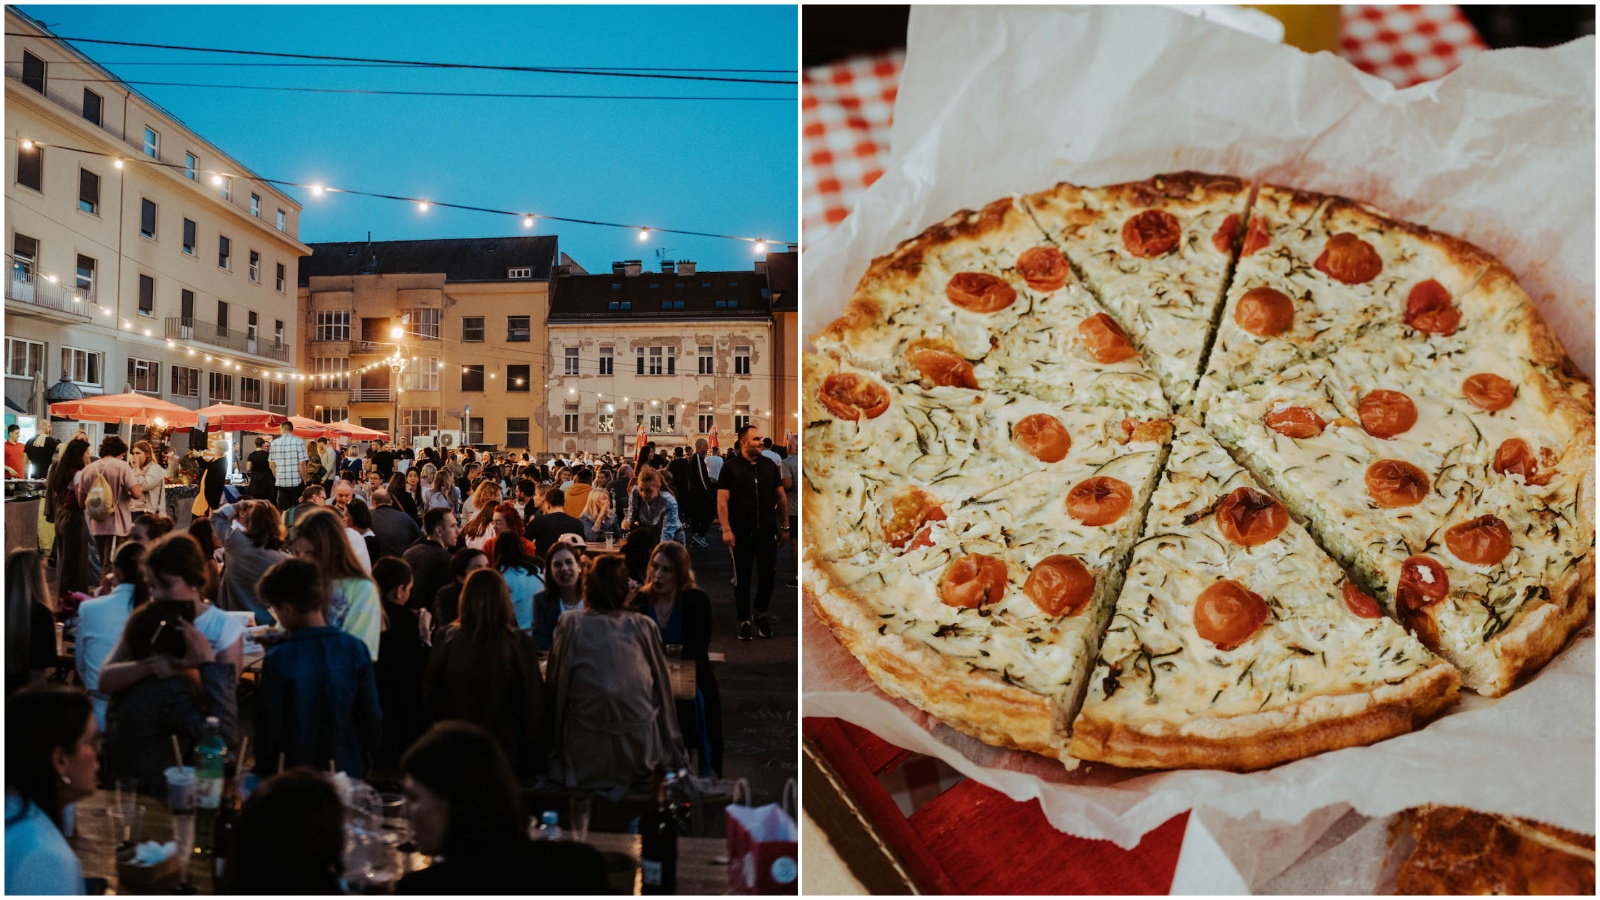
{"type": "Point", "coordinates": [644, 234]}
{"type": "Point", "coordinates": [172, 343]}
{"type": "Point", "coordinates": [396, 332]}
{"type": "Point", "coordinates": [27, 145]}
{"type": "Point", "coordinates": [527, 221]}
{"type": "Point", "coordinates": [317, 189]}
{"type": "Point", "coordinates": [191, 351]}
{"type": "Point", "coordinates": [572, 390]}
{"type": "Point", "coordinates": [216, 180]}
{"type": "Point", "coordinates": [51, 278]}
{"type": "Point", "coordinates": [422, 206]}
{"type": "Point", "coordinates": [761, 246]}
{"type": "Point", "coordinates": [160, 421]}
{"type": "Point", "coordinates": [147, 332]}
{"type": "Point", "coordinates": [76, 299]}
{"type": "Point", "coordinates": [491, 374]}
{"type": "Point", "coordinates": [118, 163]}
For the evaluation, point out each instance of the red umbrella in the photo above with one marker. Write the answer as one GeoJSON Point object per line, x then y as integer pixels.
{"type": "Point", "coordinates": [227, 417]}
{"type": "Point", "coordinates": [359, 432]}
{"type": "Point", "coordinates": [308, 428]}
{"type": "Point", "coordinates": [135, 409]}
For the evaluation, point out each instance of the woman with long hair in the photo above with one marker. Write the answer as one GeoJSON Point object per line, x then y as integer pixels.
{"type": "Point", "coordinates": [651, 504]}
{"type": "Point", "coordinates": [487, 672]}
{"type": "Point", "coordinates": [152, 479]}
{"type": "Point", "coordinates": [507, 520]}
{"type": "Point", "coordinates": [289, 839]}
{"type": "Point", "coordinates": [486, 494]}
{"type": "Point", "coordinates": [30, 621]}
{"type": "Point", "coordinates": [52, 761]}
{"type": "Point", "coordinates": [403, 659]}
{"type": "Point", "coordinates": [442, 495]}
{"type": "Point", "coordinates": [563, 593]}
{"type": "Point", "coordinates": [683, 613]}
{"type": "Point", "coordinates": [101, 621]}
{"type": "Point", "coordinates": [251, 533]}
{"type": "Point", "coordinates": [598, 520]}
{"type": "Point", "coordinates": [353, 605]}
{"type": "Point", "coordinates": [478, 531]}
{"type": "Point", "coordinates": [466, 811]}
{"type": "Point", "coordinates": [72, 524]}
{"type": "Point", "coordinates": [615, 724]}
{"type": "Point", "coordinates": [402, 490]}
{"type": "Point", "coordinates": [520, 569]}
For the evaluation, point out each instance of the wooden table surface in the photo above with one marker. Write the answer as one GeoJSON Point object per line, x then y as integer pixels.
{"type": "Point", "coordinates": [702, 862]}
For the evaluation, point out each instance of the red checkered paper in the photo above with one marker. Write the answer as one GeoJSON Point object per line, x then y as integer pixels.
{"type": "Point", "coordinates": [1407, 45]}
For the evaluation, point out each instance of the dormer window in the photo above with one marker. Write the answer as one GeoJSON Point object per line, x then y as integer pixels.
{"type": "Point", "coordinates": [525, 272]}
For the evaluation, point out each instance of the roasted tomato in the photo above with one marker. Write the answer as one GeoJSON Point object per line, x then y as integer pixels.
{"type": "Point", "coordinates": [1228, 614]}
{"type": "Point", "coordinates": [1060, 585]}
{"type": "Point", "coordinates": [944, 368]}
{"type": "Point", "coordinates": [1429, 310]}
{"type": "Point", "coordinates": [1489, 392]}
{"type": "Point", "coordinates": [980, 292]}
{"type": "Point", "coordinates": [1044, 269]}
{"type": "Point", "coordinates": [849, 396]}
{"type": "Point", "coordinates": [909, 510]}
{"type": "Point", "coordinates": [1153, 232]}
{"type": "Point", "coordinates": [1264, 311]}
{"type": "Point", "coordinates": [1349, 259]}
{"type": "Point", "coordinates": [1226, 234]}
{"type": "Point", "coordinates": [1423, 582]}
{"type": "Point", "coordinates": [973, 580]}
{"type": "Point", "coordinates": [1394, 483]}
{"type": "Point", "coordinates": [1157, 430]}
{"type": "Point", "coordinates": [1250, 518]}
{"type": "Point", "coordinates": [1043, 436]}
{"type": "Point", "coordinates": [1483, 541]}
{"type": "Point", "coordinates": [1105, 340]}
{"type": "Point", "coordinates": [1099, 500]}
{"type": "Point", "coordinates": [1386, 414]}
{"type": "Point", "coordinates": [1515, 457]}
{"type": "Point", "coordinates": [1296, 422]}
{"type": "Point", "coordinates": [1360, 602]}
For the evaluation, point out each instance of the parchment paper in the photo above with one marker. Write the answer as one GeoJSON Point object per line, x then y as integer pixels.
{"type": "Point", "coordinates": [996, 101]}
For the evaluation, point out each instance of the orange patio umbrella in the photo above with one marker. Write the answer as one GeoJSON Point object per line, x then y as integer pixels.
{"type": "Point", "coordinates": [227, 417]}
{"type": "Point", "coordinates": [307, 428]}
{"type": "Point", "coordinates": [352, 430]}
{"type": "Point", "coordinates": [134, 409]}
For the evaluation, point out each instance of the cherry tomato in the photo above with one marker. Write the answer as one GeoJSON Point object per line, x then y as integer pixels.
{"type": "Point", "coordinates": [1044, 269]}
{"type": "Point", "coordinates": [1255, 236]}
{"type": "Point", "coordinates": [849, 396]}
{"type": "Point", "coordinates": [1489, 392]}
{"type": "Point", "coordinates": [1483, 541]}
{"type": "Point", "coordinates": [1226, 234]}
{"type": "Point", "coordinates": [1386, 414]}
{"type": "Point", "coordinates": [980, 292]}
{"type": "Point", "coordinates": [1153, 232]}
{"type": "Point", "coordinates": [973, 580]}
{"type": "Point", "coordinates": [1296, 422]}
{"type": "Point", "coordinates": [1228, 614]}
{"type": "Point", "coordinates": [1394, 483]}
{"type": "Point", "coordinates": [1264, 311]}
{"type": "Point", "coordinates": [1515, 457]}
{"type": "Point", "coordinates": [1250, 518]}
{"type": "Point", "coordinates": [1349, 259]}
{"type": "Point", "coordinates": [1043, 436]}
{"type": "Point", "coordinates": [1423, 583]}
{"type": "Point", "coordinates": [1106, 342]}
{"type": "Point", "coordinates": [1156, 430]}
{"type": "Point", "coordinates": [1360, 602]}
{"type": "Point", "coordinates": [1099, 500]}
{"type": "Point", "coordinates": [1429, 310]}
{"type": "Point", "coordinates": [909, 510]}
{"type": "Point", "coordinates": [944, 368]}
{"type": "Point", "coordinates": [1060, 585]}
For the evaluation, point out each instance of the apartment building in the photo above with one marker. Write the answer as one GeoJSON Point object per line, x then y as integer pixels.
{"type": "Point", "coordinates": [438, 337]}
{"type": "Point", "coordinates": [677, 350]}
{"type": "Point", "coordinates": [783, 278]}
{"type": "Point", "coordinates": [142, 256]}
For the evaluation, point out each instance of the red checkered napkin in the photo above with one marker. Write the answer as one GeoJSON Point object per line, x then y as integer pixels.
{"type": "Point", "coordinates": [1407, 45]}
{"type": "Point", "coordinates": [845, 111]}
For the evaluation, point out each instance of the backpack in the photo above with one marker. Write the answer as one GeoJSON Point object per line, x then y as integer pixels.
{"type": "Point", "coordinates": [99, 503]}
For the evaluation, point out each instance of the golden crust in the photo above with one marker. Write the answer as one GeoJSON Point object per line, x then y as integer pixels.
{"type": "Point", "coordinates": [1075, 206]}
{"type": "Point", "coordinates": [1258, 740]}
{"type": "Point", "coordinates": [1535, 635]}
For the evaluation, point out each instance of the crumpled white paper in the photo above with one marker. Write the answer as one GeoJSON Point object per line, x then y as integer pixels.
{"type": "Point", "coordinates": [996, 101]}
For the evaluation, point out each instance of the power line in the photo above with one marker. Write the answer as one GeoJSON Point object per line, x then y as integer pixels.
{"type": "Point", "coordinates": [553, 70]}
{"type": "Point", "coordinates": [399, 93]}
{"type": "Point", "coordinates": [339, 65]}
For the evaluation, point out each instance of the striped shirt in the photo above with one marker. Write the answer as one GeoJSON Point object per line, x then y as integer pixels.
{"type": "Point", "coordinates": [286, 454]}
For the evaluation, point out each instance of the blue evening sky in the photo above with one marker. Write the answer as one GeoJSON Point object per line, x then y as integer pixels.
{"type": "Point", "coordinates": [726, 167]}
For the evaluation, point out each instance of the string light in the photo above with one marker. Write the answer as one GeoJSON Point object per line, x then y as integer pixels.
{"type": "Point", "coordinates": [27, 145]}
{"type": "Point", "coordinates": [422, 206]}
{"type": "Point", "coordinates": [317, 189]}
{"type": "Point", "coordinates": [527, 222]}
{"type": "Point", "coordinates": [761, 247]}
{"type": "Point", "coordinates": [216, 180]}
{"type": "Point", "coordinates": [644, 234]}
{"type": "Point", "coordinates": [118, 163]}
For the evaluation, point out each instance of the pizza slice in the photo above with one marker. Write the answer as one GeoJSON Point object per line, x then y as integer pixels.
{"type": "Point", "coordinates": [1156, 254]}
{"type": "Point", "coordinates": [1237, 643]}
{"type": "Point", "coordinates": [1471, 527]}
{"type": "Point", "coordinates": [967, 545]}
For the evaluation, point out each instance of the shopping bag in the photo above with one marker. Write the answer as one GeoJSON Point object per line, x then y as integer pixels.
{"type": "Point", "coordinates": [201, 507]}
{"type": "Point", "coordinates": [763, 844]}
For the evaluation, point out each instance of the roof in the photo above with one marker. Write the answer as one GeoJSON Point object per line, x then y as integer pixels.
{"type": "Point", "coordinates": [460, 259]}
{"type": "Point", "coordinates": [587, 297]}
{"type": "Point", "coordinates": [783, 274]}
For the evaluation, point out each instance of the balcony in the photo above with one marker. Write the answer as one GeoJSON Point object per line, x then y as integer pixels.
{"type": "Point", "coordinates": [218, 336]}
{"type": "Point", "coordinates": [372, 395]}
{"type": "Point", "coordinates": [359, 347]}
{"type": "Point", "coordinates": [34, 295]}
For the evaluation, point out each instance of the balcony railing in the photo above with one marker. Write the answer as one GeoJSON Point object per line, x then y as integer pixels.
{"type": "Point", "coordinates": [365, 347]}
{"type": "Point", "coordinates": [218, 336]}
{"type": "Point", "coordinates": [38, 292]}
{"type": "Point", "coordinates": [372, 395]}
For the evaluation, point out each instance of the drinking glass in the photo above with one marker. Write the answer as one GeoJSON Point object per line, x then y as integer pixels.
{"type": "Point", "coordinates": [579, 816]}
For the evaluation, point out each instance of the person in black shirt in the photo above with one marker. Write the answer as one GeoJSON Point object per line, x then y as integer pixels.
{"type": "Point", "coordinates": [40, 452]}
{"type": "Point", "coordinates": [383, 459]}
{"type": "Point", "coordinates": [263, 484]}
{"type": "Point", "coordinates": [754, 512]}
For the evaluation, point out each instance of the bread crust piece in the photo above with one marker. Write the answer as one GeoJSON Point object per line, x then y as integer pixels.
{"type": "Point", "coordinates": [1258, 740]}
{"type": "Point", "coordinates": [1535, 636]}
{"type": "Point", "coordinates": [980, 705]}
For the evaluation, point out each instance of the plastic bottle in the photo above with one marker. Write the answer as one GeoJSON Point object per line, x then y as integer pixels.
{"type": "Point", "coordinates": [210, 770]}
{"type": "Point", "coordinates": [549, 827]}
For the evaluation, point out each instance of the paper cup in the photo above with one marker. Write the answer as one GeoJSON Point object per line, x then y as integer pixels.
{"type": "Point", "coordinates": [182, 789]}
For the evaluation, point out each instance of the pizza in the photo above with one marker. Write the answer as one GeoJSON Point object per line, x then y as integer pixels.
{"type": "Point", "coordinates": [1375, 469]}
{"type": "Point", "coordinates": [1462, 851]}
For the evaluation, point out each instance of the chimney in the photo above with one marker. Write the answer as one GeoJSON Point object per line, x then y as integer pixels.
{"type": "Point", "coordinates": [685, 267]}
{"type": "Point", "coordinates": [761, 267]}
{"type": "Point", "coordinates": [563, 270]}
{"type": "Point", "coordinates": [619, 268]}
{"type": "Point", "coordinates": [666, 267]}
{"type": "Point", "coordinates": [632, 266]}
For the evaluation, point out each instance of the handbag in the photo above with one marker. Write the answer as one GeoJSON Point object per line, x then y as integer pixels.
{"type": "Point", "coordinates": [763, 845]}
{"type": "Point", "coordinates": [201, 507]}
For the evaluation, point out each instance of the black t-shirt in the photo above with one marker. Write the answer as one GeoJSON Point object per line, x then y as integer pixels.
{"type": "Point", "coordinates": [40, 455]}
{"type": "Point", "coordinates": [384, 460]}
{"type": "Point", "coordinates": [752, 494]}
{"type": "Point", "coordinates": [405, 453]}
{"type": "Point", "coordinates": [260, 467]}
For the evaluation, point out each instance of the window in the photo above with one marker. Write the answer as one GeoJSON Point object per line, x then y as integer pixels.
{"type": "Point", "coordinates": [517, 379]}
{"type": "Point", "coordinates": [30, 167]}
{"type": "Point", "coordinates": [147, 295]}
{"type": "Point", "coordinates": [24, 250]}
{"type": "Point", "coordinates": [86, 267]}
{"type": "Point", "coordinates": [620, 304]}
{"type": "Point", "coordinates": [250, 391]}
{"type": "Point", "coordinates": [519, 273]}
{"type": "Point", "coordinates": [255, 205]}
{"type": "Point", "coordinates": [222, 318]}
{"type": "Point", "coordinates": [425, 323]}
{"type": "Point", "coordinates": [475, 430]}
{"type": "Point", "coordinates": [517, 433]}
{"type": "Point", "coordinates": [655, 423]}
{"type": "Point", "coordinates": [147, 217]}
{"type": "Point", "coordinates": [607, 359]}
{"type": "Point", "coordinates": [570, 361]}
{"type": "Point", "coordinates": [277, 332]}
{"type": "Point", "coordinates": [251, 330]}
{"type": "Point", "coordinates": [417, 421]}
{"type": "Point", "coordinates": [82, 366]}
{"type": "Point", "coordinates": [185, 382]}
{"type": "Point", "coordinates": [605, 422]}
{"type": "Point", "coordinates": [741, 417]}
{"type": "Point", "coordinates": [283, 220]}
{"type": "Point", "coordinates": [220, 389]}
{"type": "Point", "coordinates": [227, 187]}
{"type": "Point", "coordinates": [741, 360]}
{"type": "Point", "coordinates": [332, 326]}
{"type": "Point", "coordinates": [672, 421]}
{"type": "Point", "coordinates": [638, 360]}
{"type": "Point", "coordinates": [152, 143]}
{"type": "Point", "coordinates": [332, 373]}
{"type": "Point", "coordinates": [472, 329]}
{"type": "Point", "coordinates": [33, 71]}
{"type": "Point", "coordinates": [705, 421]}
{"type": "Point", "coordinates": [638, 413]}
{"type": "Point", "coordinates": [24, 358]}
{"type": "Point", "coordinates": [328, 414]}
{"type": "Point", "coordinates": [672, 360]}
{"type": "Point", "coordinates": [190, 165]}
{"type": "Point", "coordinates": [282, 277]}
{"type": "Point", "coordinates": [672, 304]}
{"type": "Point", "coordinates": [655, 361]}
{"type": "Point", "coordinates": [186, 309]}
{"type": "Point", "coordinates": [423, 375]}
{"type": "Point", "coordinates": [727, 304]}
{"type": "Point", "coordinates": [708, 363]}
{"type": "Point", "coordinates": [224, 252]}
{"type": "Point", "coordinates": [472, 378]}
{"type": "Point", "coordinates": [88, 191]}
{"type": "Point", "coordinates": [191, 236]}
{"type": "Point", "coordinates": [277, 395]}
{"type": "Point", "coordinates": [517, 329]}
{"type": "Point", "coordinates": [569, 419]}
{"type": "Point", "coordinates": [255, 267]}
{"type": "Point", "coordinates": [144, 375]}
{"type": "Point", "coordinates": [93, 105]}
{"type": "Point", "coordinates": [375, 329]}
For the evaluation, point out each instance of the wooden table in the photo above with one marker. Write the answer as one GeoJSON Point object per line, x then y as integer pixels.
{"type": "Point", "coordinates": [681, 671]}
{"type": "Point", "coordinates": [97, 846]}
{"type": "Point", "coordinates": [702, 862]}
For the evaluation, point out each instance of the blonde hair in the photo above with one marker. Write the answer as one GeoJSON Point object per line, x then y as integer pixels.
{"type": "Point", "coordinates": [484, 504]}
{"type": "Point", "coordinates": [598, 506]}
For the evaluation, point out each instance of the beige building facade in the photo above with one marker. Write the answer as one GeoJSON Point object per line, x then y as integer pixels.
{"type": "Point", "coordinates": [142, 256]}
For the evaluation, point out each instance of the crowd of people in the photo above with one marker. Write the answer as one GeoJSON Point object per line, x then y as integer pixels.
{"type": "Point", "coordinates": [449, 618]}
